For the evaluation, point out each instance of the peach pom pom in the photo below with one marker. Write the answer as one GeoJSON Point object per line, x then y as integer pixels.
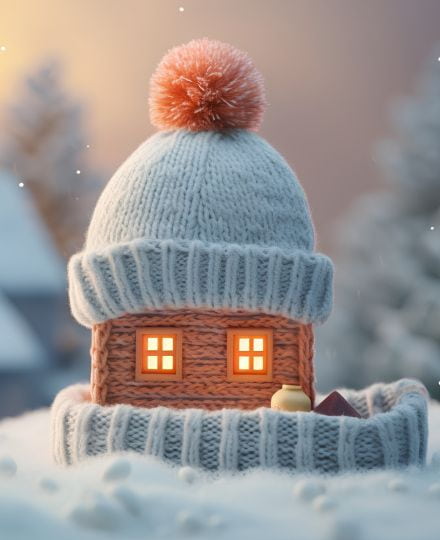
{"type": "Point", "coordinates": [206, 85]}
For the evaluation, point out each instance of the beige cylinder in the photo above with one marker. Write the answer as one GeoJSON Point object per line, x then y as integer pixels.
{"type": "Point", "coordinates": [291, 398]}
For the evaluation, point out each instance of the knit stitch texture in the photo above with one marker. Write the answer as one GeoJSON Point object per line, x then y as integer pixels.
{"type": "Point", "coordinates": [206, 220]}
{"type": "Point", "coordinates": [391, 433]}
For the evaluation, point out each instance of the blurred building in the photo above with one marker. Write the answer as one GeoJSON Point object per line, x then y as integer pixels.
{"type": "Point", "coordinates": [32, 300]}
{"type": "Point", "coordinates": [22, 361]}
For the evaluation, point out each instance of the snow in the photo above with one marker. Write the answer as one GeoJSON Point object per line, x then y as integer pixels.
{"type": "Point", "coordinates": [132, 496]}
{"type": "Point", "coordinates": [29, 261]}
{"type": "Point", "coordinates": [19, 348]}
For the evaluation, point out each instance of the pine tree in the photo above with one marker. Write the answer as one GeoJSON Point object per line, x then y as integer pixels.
{"type": "Point", "coordinates": [386, 322]}
{"type": "Point", "coordinates": [45, 148]}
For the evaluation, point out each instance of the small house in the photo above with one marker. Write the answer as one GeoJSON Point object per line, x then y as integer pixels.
{"type": "Point", "coordinates": [199, 358]}
{"type": "Point", "coordinates": [201, 285]}
{"type": "Point", "coordinates": [198, 277]}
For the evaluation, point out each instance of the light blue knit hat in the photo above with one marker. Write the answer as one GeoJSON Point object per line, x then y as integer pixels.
{"type": "Point", "coordinates": [202, 218]}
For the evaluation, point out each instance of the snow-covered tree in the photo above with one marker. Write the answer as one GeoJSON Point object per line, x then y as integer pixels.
{"type": "Point", "coordinates": [44, 146]}
{"type": "Point", "coordinates": [386, 322]}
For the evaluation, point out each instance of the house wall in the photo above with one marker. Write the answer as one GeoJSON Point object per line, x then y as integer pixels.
{"type": "Point", "coordinates": [204, 383]}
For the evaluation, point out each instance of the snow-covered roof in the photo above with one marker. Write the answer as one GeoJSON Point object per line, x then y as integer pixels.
{"type": "Point", "coordinates": [28, 261]}
{"type": "Point", "coordinates": [19, 346]}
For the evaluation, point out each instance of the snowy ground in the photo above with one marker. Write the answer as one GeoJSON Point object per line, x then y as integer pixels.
{"type": "Point", "coordinates": [129, 497]}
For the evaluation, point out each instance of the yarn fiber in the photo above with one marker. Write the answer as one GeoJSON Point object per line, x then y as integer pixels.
{"type": "Point", "coordinates": [206, 85]}
{"type": "Point", "coordinates": [391, 433]}
{"type": "Point", "coordinates": [204, 350]}
{"type": "Point", "coordinates": [205, 220]}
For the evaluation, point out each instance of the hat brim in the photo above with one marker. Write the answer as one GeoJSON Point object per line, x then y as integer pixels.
{"type": "Point", "coordinates": [140, 275]}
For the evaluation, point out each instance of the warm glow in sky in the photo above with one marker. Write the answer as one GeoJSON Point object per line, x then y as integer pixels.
{"type": "Point", "coordinates": [331, 69]}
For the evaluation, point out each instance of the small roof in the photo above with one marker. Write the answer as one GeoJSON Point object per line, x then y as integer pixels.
{"type": "Point", "coordinates": [29, 261]}
{"type": "Point", "coordinates": [19, 346]}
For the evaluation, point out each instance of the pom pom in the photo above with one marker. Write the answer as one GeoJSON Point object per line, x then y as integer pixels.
{"type": "Point", "coordinates": [206, 85]}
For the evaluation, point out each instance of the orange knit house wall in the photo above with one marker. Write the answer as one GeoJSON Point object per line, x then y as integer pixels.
{"type": "Point", "coordinates": [204, 361]}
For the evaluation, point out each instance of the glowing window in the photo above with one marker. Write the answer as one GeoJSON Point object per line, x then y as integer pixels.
{"type": "Point", "coordinates": [249, 354]}
{"type": "Point", "coordinates": [158, 354]}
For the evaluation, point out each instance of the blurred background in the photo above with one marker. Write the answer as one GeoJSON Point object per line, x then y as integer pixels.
{"type": "Point", "coordinates": [354, 106]}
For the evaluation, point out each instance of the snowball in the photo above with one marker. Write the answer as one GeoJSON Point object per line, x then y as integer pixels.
{"type": "Point", "coordinates": [344, 530]}
{"type": "Point", "coordinates": [128, 499]}
{"type": "Point", "coordinates": [118, 470]}
{"type": "Point", "coordinates": [49, 485]}
{"type": "Point", "coordinates": [187, 474]}
{"type": "Point", "coordinates": [8, 467]}
{"type": "Point", "coordinates": [434, 490]}
{"type": "Point", "coordinates": [435, 461]}
{"type": "Point", "coordinates": [96, 512]}
{"type": "Point", "coordinates": [397, 484]}
{"type": "Point", "coordinates": [215, 521]}
{"type": "Point", "coordinates": [323, 503]}
{"type": "Point", "coordinates": [306, 490]}
{"type": "Point", "coordinates": [188, 523]}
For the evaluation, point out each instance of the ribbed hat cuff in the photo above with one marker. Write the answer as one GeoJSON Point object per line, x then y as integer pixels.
{"type": "Point", "coordinates": [162, 274]}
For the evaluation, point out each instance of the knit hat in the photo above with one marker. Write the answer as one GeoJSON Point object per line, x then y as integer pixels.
{"type": "Point", "coordinates": [205, 213]}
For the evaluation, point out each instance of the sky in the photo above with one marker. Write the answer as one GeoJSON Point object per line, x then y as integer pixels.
{"type": "Point", "coordinates": [332, 69]}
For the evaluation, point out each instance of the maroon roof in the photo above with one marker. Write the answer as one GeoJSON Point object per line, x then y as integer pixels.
{"type": "Point", "coordinates": [336, 405]}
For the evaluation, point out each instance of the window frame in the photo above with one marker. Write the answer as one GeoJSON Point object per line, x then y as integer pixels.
{"type": "Point", "coordinates": [235, 333]}
{"type": "Point", "coordinates": [157, 332]}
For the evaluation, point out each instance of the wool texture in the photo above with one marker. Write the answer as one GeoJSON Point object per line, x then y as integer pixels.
{"type": "Point", "coordinates": [391, 433]}
{"type": "Point", "coordinates": [204, 351]}
{"type": "Point", "coordinates": [213, 220]}
{"type": "Point", "coordinates": [206, 85]}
